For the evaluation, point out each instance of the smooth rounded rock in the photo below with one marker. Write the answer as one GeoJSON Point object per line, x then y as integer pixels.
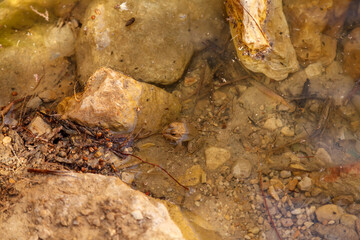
{"type": "Point", "coordinates": [242, 168]}
{"type": "Point", "coordinates": [329, 212]}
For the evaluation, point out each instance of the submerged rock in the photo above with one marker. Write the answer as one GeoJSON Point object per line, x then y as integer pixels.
{"type": "Point", "coordinates": [308, 21]}
{"type": "Point", "coordinates": [352, 53]}
{"type": "Point", "coordinates": [329, 212]}
{"type": "Point", "coordinates": [83, 205]}
{"type": "Point", "coordinates": [261, 37]}
{"type": "Point", "coordinates": [335, 232]}
{"type": "Point", "coordinates": [151, 41]}
{"type": "Point", "coordinates": [33, 61]}
{"type": "Point", "coordinates": [118, 102]}
{"type": "Point", "coordinates": [242, 168]}
{"type": "Point", "coordinates": [216, 156]}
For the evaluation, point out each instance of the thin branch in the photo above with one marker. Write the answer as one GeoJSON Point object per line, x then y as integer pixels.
{"type": "Point", "coordinates": [153, 164]}
{"type": "Point", "coordinates": [45, 15]}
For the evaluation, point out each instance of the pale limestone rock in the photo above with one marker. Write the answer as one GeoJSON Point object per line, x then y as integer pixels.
{"type": "Point", "coordinates": [83, 205]}
{"type": "Point", "coordinates": [118, 102]}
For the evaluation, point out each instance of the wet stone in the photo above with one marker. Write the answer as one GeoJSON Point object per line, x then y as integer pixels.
{"type": "Point", "coordinates": [297, 211]}
{"type": "Point", "coordinates": [215, 157]}
{"type": "Point", "coordinates": [357, 225]}
{"type": "Point", "coordinates": [323, 156]}
{"type": "Point", "coordinates": [39, 127]}
{"type": "Point", "coordinates": [329, 212]}
{"type": "Point", "coordinates": [343, 200]}
{"type": "Point", "coordinates": [192, 176]}
{"type": "Point", "coordinates": [272, 124]}
{"type": "Point", "coordinates": [316, 192]}
{"type": "Point", "coordinates": [292, 184]}
{"type": "Point", "coordinates": [242, 168]}
{"type": "Point", "coordinates": [337, 231]}
{"type": "Point", "coordinates": [305, 184]}
{"type": "Point", "coordinates": [273, 193]}
{"type": "Point", "coordinates": [287, 132]}
{"type": "Point", "coordinates": [348, 220]}
{"type": "Point", "coordinates": [34, 103]}
{"type": "Point", "coordinates": [285, 174]}
{"type": "Point", "coordinates": [353, 209]}
{"type": "Point", "coordinates": [48, 96]}
{"type": "Point", "coordinates": [314, 70]}
{"type": "Point", "coordinates": [219, 98]}
{"type": "Point", "coordinates": [286, 222]}
{"type": "Point", "coordinates": [128, 177]}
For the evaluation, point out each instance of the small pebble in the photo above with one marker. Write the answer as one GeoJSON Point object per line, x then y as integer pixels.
{"type": "Point", "coordinates": [287, 132]}
{"type": "Point", "coordinates": [285, 174]}
{"type": "Point", "coordinates": [273, 193]}
{"type": "Point", "coordinates": [305, 184]}
{"type": "Point", "coordinates": [292, 184]}
{"type": "Point", "coordinates": [254, 230]}
{"type": "Point", "coordinates": [97, 154]}
{"type": "Point", "coordinates": [297, 211]}
{"type": "Point", "coordinates": [286, 222]}
{"type": "Point", "coordinates": [6, 140]}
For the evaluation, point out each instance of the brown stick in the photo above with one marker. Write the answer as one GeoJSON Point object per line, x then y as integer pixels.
{"type": "Point", "coordinates": [270, 93]}
{"type": "Point", "coordinates": [155, 165]}
{"type": "Point", "coordinates": [248, 13]}
{"type": "Point", "coordinates": [52, 172]}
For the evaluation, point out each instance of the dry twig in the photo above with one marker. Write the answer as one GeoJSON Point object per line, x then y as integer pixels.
{"type": "Point", "coordinates": [45, 15]}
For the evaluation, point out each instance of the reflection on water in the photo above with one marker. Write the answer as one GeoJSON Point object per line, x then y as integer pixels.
{"type": "Point", "coordinates": [267, 140]}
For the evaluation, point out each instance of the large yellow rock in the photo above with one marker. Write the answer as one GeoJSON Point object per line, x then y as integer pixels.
{"type": "Point", "coordinates": [352, 53]}
{"type": "Point", "coordinates": [314, 28]}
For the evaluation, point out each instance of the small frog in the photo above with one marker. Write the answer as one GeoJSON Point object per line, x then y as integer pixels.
{"type": "Point", "coordinates": [179, 132]}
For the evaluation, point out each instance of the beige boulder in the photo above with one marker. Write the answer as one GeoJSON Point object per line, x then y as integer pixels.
{"type": "Point", "coordinates": [118, 102]}
{"type": "Point", "coordinates": [76, 206]}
